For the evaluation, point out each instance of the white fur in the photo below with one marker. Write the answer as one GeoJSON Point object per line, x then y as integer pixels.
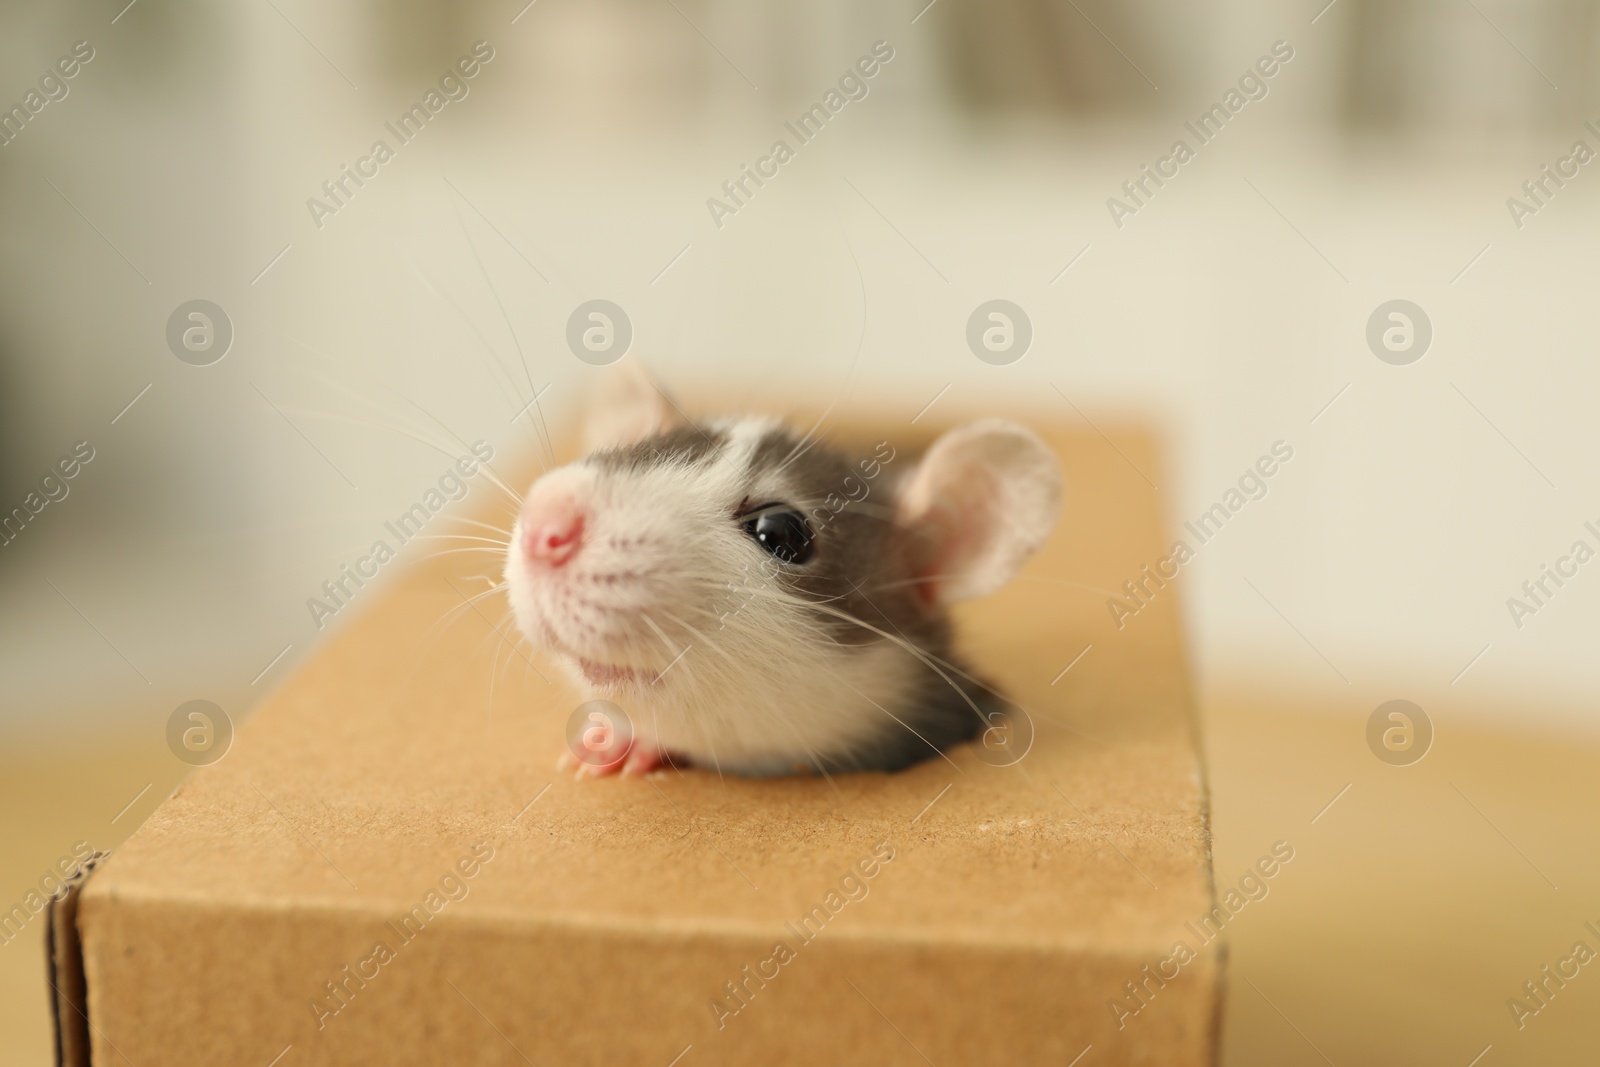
{"type": "Point", "coordinates": [729, 669]}
{"type": "Point", "coordinates": [721, 664]}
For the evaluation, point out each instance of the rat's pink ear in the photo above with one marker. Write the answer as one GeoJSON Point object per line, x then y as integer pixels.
{"type": "Point", "coordinates": [627, 407]}
{"type": "Point", "coordinates": [983, 500]}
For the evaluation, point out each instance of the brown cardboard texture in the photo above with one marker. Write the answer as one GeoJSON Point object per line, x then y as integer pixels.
{"type": "Point", "coordinates": [386, 867]}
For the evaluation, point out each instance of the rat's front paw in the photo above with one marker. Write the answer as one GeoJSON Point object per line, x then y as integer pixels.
{"type": "Point", "coordinates": [640, 758]}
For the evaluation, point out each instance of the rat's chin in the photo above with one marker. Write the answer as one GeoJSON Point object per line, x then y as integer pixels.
{"type": "Point", "coordinates": [597, 673]}
{"type": "Point", "coordinates": [609, 676]}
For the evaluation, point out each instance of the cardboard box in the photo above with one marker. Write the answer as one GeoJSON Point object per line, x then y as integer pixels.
{"type": "Point", "coordinates": [386, 867]}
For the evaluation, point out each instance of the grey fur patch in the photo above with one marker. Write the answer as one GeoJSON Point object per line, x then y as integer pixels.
{"type": "Point", "coordinates": [686, 445]}
{"type": "Point", "coordinates": [863, 584]}
{"type": "Point", "coordinates": [935, 717]}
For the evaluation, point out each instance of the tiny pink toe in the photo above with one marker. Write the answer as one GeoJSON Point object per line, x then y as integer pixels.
{"type": "Point", "coordinates": [642, 760]}
{"type": "Point", "coordinates": [585, 769]}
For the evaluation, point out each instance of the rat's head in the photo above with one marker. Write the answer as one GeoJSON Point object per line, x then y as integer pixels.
{"type": "Point", "coordinates": [718, 576]}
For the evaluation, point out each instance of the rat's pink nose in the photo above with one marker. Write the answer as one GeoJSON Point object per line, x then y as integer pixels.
{"type": "Point", "coordinates": [552, 530]}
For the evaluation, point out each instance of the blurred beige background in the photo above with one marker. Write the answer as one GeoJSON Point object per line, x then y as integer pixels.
{"type": "Point", "coordinates": [1233, 307]}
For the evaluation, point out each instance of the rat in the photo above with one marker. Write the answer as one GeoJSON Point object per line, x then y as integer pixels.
{"type": "Point", "coordinates": [760, 603]}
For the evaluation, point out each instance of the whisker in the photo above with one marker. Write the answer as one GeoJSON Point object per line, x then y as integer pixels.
{"type": "Point", "coordinates": [921, 654]}
{"type": "Point", "coordinates": [701, 637]}
{"type": "Point", "coordinates": [498, 364]}
{"type": "Point", "coordinates": [494, 673]}
{"type": "Point", "coordinates": [459, 537]}
{"type": "Point", "coordinates": [716, 761]}
{"type": "Point", "coordinates": [902, 722]}
{"type": "Point", "coordinates": [494, 476]}
{"type": "Point", "coordinates": [665, 640]}
{"type": "Point", "coordinates": [483, 525]}
{"type": "Point", "coordinates": [466, 604]}
{"type": "Point", "coordinates": [494, 479]}
{"type": "Point", "coordinates": [470, 548]}
{"type": "Point", "coordinates": [811, 754]}
{"type": "Point", "coordinates": [510, 326]}
{"type": "Point", "coordinates": [802, 446]}
{"type": "Point", "coordinates": [1019, 578]}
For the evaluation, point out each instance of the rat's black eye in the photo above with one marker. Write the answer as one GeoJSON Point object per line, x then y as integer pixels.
{"type": "Point", "coordinates": [783, 533]}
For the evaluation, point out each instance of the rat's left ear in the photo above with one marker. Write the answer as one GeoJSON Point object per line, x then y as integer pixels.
{"type": "Point", "coordinates": [627, 407]}
{"type": "Point", "coordinates": [983, 500]}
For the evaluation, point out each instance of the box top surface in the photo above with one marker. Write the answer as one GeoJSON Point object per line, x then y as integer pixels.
{"type": "Point", "coordinates": [417, 730]}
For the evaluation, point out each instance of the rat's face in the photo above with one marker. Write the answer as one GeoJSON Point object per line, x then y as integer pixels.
{"type": "Point", "coordinates": [738, 537]}
{"type": "Point", "coordinates": [755, 599]}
